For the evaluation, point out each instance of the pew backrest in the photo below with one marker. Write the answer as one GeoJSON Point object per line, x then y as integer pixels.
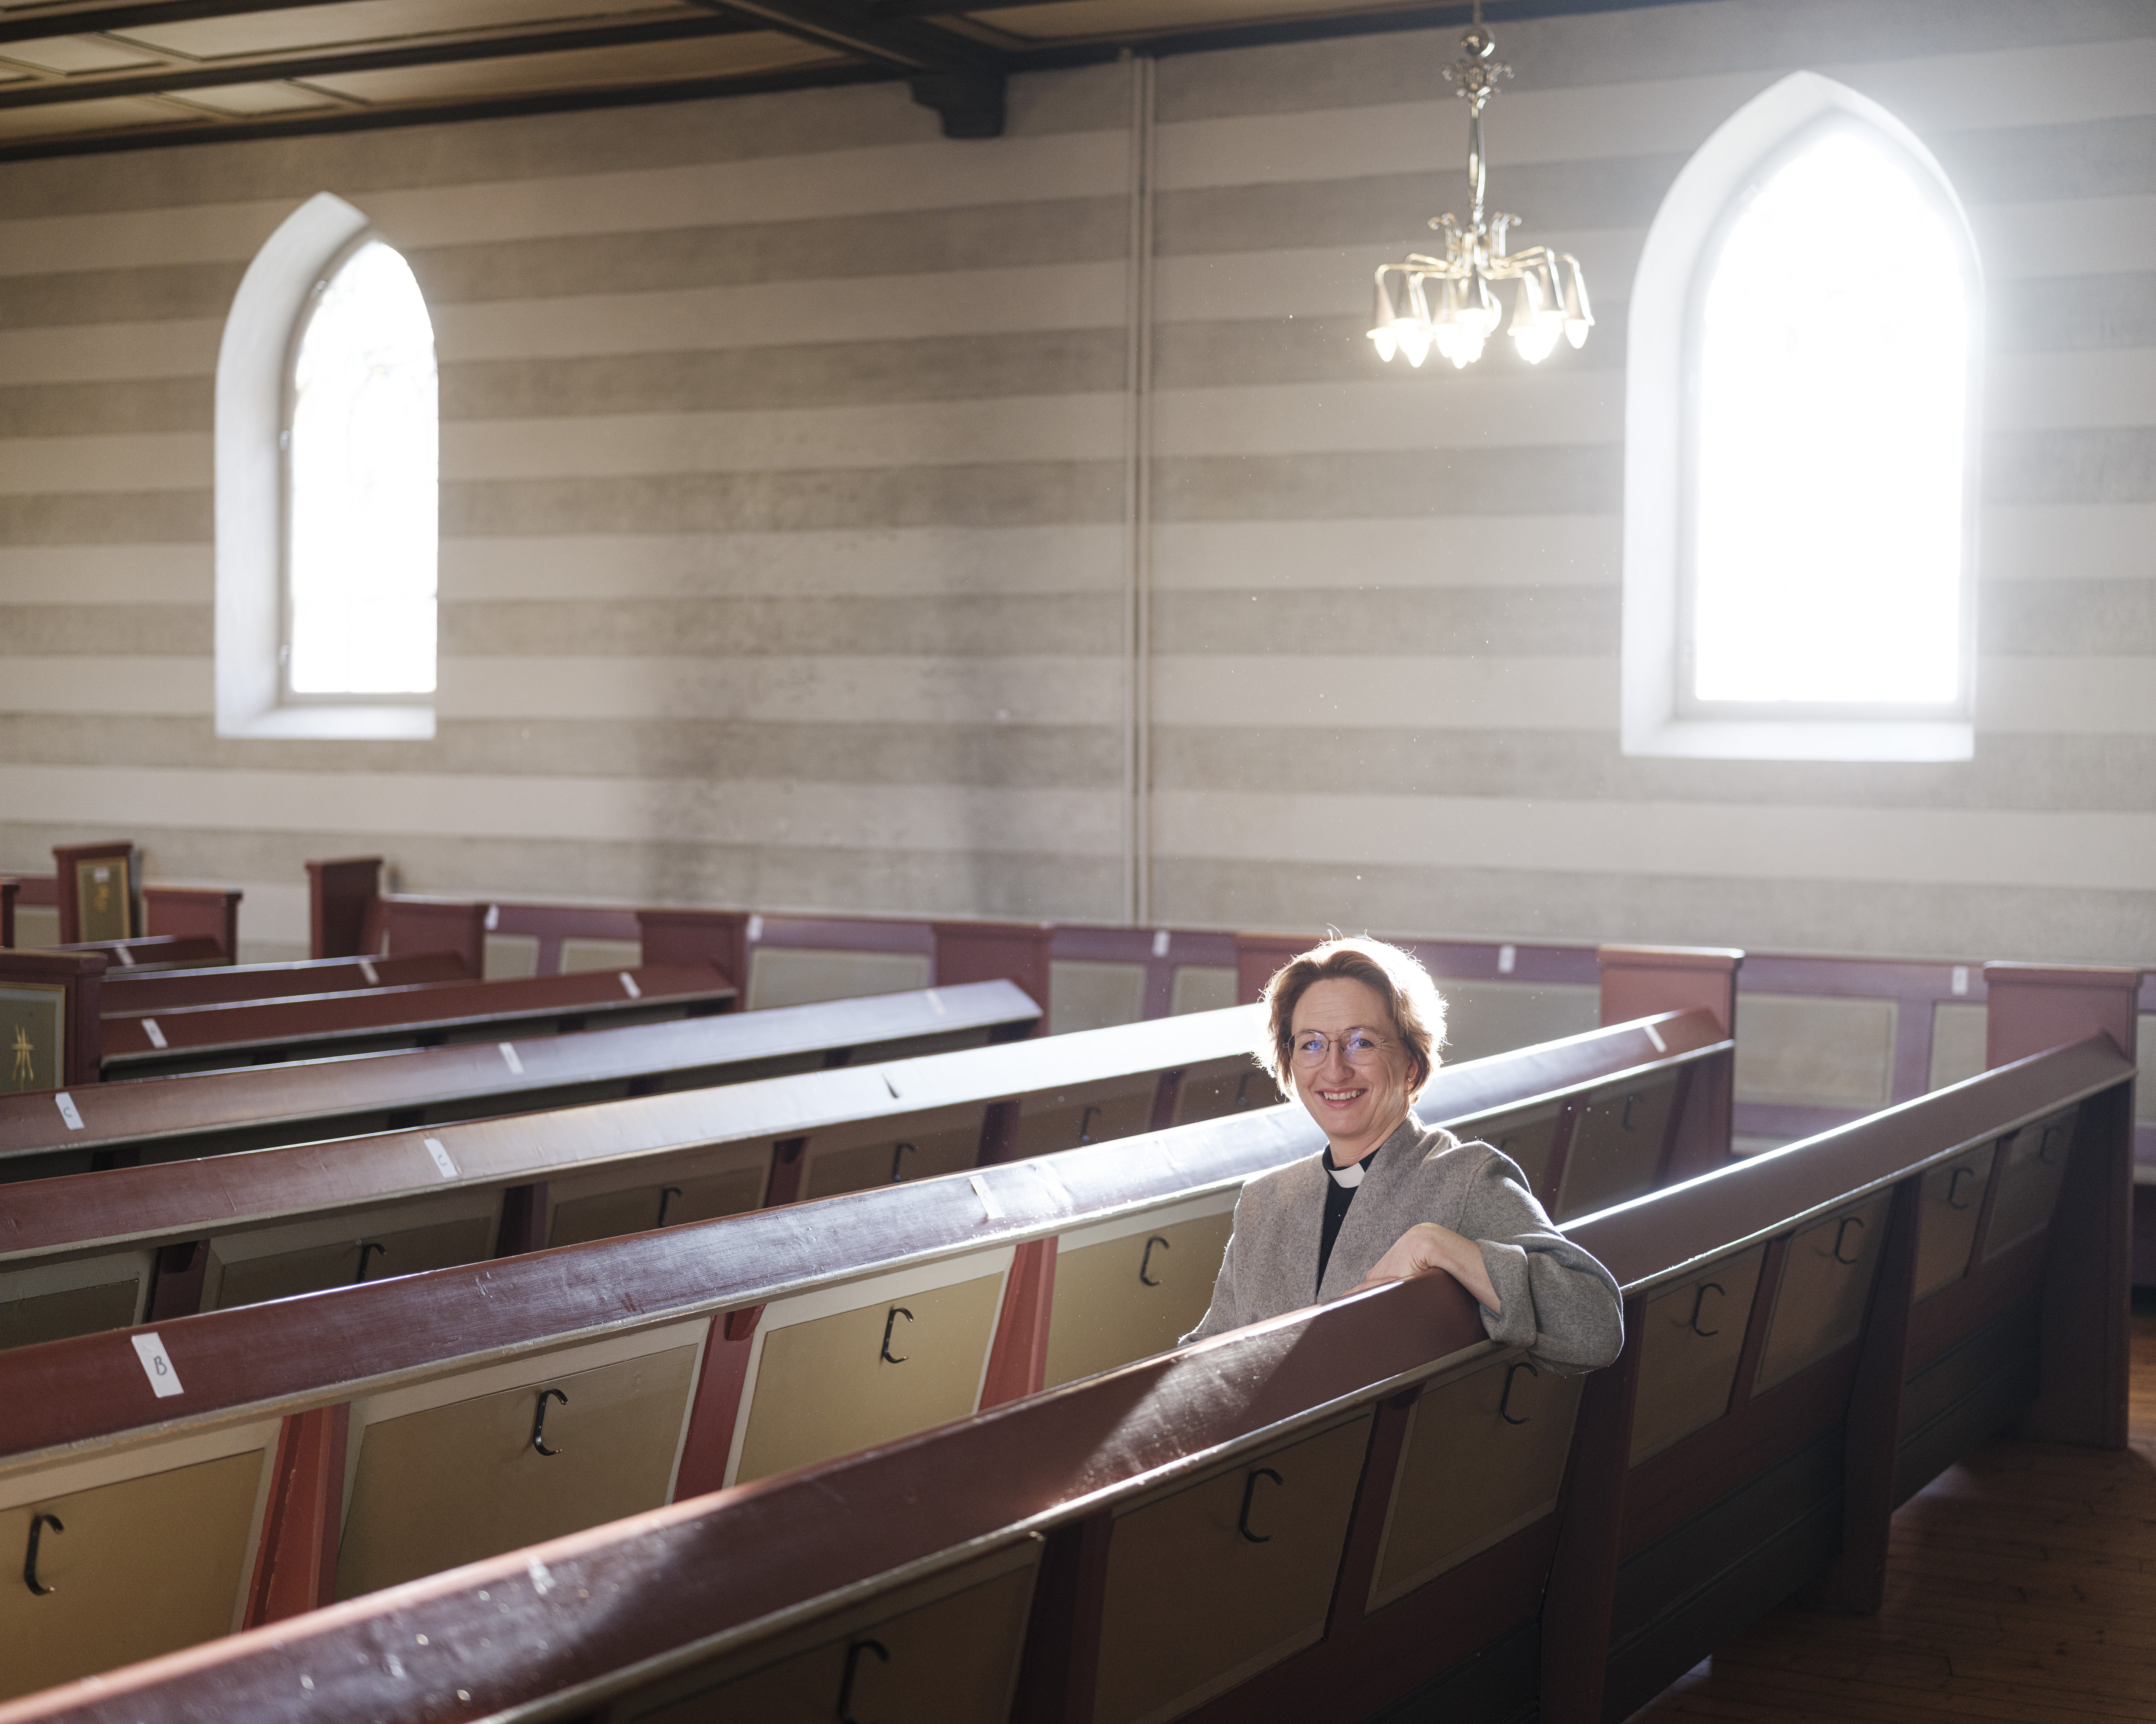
{"type": "Point", "coordinates": [127, 992]}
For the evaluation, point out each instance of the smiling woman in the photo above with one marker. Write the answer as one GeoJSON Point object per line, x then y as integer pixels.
{"type": "Point", "coordinates": [1357, 1025]}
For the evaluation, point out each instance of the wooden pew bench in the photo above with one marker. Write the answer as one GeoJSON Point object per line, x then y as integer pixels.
{"type": "Point", "coordinates": [420, 1015]}
{"type": "Point", "coordinates": [131, 991]}
{"type": "Point", "coordinates": [145, 1244]}
{"type": "Point", "coordinates": [1343, 1511]}
{"type": "Point", "coordinates": [363, 1436]}
{"type": "Point", "coordinates": [44, 1134]}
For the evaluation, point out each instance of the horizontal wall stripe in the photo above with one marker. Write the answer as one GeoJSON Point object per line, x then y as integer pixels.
{"type": "Point", "coordinates": [106, 630]}
{"type": "Point", "coordinates": [399, 805]}
{"type": "Point", "coordinates": [75, 409]}
{"type": "Point", "coordinates": [978, 625]}
{"type": "Point", "coordinates": [140, 293]}
{"type": "Point", "coordinates": [1437, 622]}
{"type": "Point", "coordinates": [2063, 696]}
{"type": "Point", "coordinates": [1332, 556]}
{"type": "Point", "coordinates": [107, 575]}
{"type": "Point", "coordinates": [2106, 236]}
{"type": "Point", "coordinates": [110, 518]}
{"type": "Point", "coordinates": [101, 351]}
{"type": "Point", "coordinates": [2068, 391]}
{"type": "Point", "coordinates": [1387, 691]}
{"type": "Point", "coordinates": [1452, 410]}
{"type": "Point", "coordinates": [172, 686]}
{"type": "Point", "coordinates": [1081, 230]}
{"type": "Point", "coordinates": [1256, 353]}
{"type": "Point", "coordinates": [1006, 756]}
{"type": "Point", "coordinates": [1008, 494]}
{"type": "Point", "coordinates": [2113, 156]}
{"type": "Point", "coordinates": [2032, 773]}
{"type": "Point", "coordinates": [2056, 315]}
{"type": "Point", "coordinates": [709, 134]}
{"type": "Point", "coordinates": [2103, 851]}
{"type": "Point", "coordinates": [2068, 618]}
{"type": "Point", "coordinates": [880, 563]}
{"type": "Point", "coordinates": [826, 374]}
{"type": "Point", "coordinates": [162, 460]}
{"type": "Point", "coordinates": [1633, 45]}
{"type": "Point", "coordinates": [1018, 688]}
{"type": "Point", "coordinates": [972, 303]}
{"type": "Point", "coordinates": [1966, 923]}
{"type": "Point", "coordinates": [913, 435]}
{"type": "Point", "coordinates": [2112, 465]}
{"type": "Point", "coordinates": [1557, 480]}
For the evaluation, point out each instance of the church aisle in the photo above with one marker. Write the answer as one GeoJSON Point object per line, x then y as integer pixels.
{"type": "Point", "coordinates": [2021, 1587]}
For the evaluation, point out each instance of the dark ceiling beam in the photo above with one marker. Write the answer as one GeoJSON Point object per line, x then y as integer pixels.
{"type": "Point", "coordinates": [962, 79]}
{"type": "Point", "coordinates": [170, 80]}
{"type": "Point", "coordinates": [90, 20]}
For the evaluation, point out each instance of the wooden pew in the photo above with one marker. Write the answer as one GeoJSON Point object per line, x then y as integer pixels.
{"type": "Point", "coordinates": [685, 1358]}
{"type": "Point", "coordinates": [1361, 1508]}
{"type": "Point", "coordinates": [152, 1120]}
{"type": "Point", "coordinates": [103, 905]}
{"type": "Point", "coordinates": [112, 1247]}
{"type": "Point", "coordinates": [127, 992]}
{"type": "Point", "coordinates": [151, 952]}
{"type": "Point", "coordinates": [427, 1014]}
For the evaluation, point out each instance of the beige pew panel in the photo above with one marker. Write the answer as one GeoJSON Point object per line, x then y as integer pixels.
{"type": "Point", "coordinates": [471, 1465]}
{"type": "Point", "coordinates": [2029, 1182]}
{"type": "Point", "coordinates": [1616, 1147]}
{"type": "Point", "coordinates": [1826, 1285]}
{"type": "Point", "coordinates": [700, 1185]}
{"type": "Point", "coordinates": [840, 1368]}
{"type": "Point", "coordinates": [1078, 1114]}
{"type": "Point", "coordinates": [139, 1553]}
{"type": "Point", "coordinates": [88, 1294]}
{"type": "Point", "coordinates": [1135, 1286]}
{"type": "Point", "coordinates": [1219, 1087]}
{"type": "Point", "coordinates": [339, 1250]}
{"type": "Point", "coordinates": [1953, 1204]}
{"type": "Point", "coordinates": [1693, 1336]}
{"type": "Point", "coordinates": [883, 1152]}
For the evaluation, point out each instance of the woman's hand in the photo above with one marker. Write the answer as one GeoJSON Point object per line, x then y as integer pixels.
{"type": "Point", "coordinates": [1426, 1246]}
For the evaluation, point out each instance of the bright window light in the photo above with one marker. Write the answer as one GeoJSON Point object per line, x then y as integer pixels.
{"type": "Point", "coordinates": [1830, 440]}
{"type": "Point", "coordinates": [364, 469]}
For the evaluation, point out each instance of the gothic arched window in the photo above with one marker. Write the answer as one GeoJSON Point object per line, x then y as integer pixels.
{"type": "Point", "coordinates": [1800, 483]}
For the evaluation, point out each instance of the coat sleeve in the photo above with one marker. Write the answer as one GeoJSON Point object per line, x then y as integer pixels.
{"type": "Point", "coordinates": [1558, 1303]}
{"type": "Point", "coordinates": [1220, 1316]}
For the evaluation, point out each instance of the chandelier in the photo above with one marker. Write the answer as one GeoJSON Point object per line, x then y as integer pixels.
{"type": "Point", "coordinates": [1450, 303]}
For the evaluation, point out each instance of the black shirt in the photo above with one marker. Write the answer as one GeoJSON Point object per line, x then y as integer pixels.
{"type": "Point", "coordinates": [1338, 1194]}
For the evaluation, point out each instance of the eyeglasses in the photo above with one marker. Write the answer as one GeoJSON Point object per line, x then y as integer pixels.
{"type": "Point", "coordinates": [1359, 1047]}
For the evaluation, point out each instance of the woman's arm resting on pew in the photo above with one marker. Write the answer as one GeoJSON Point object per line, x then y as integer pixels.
{"type": "Point", "coordinates": [1537, 1289]}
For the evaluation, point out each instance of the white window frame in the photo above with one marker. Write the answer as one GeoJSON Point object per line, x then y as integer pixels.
{"type": "Point", "coordinates": [254, 370]}
{"type": "Point", "coordinates": [1661, 383]}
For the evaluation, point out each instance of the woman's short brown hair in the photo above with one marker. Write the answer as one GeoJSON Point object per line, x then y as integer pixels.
{"type": "Point", "coordinates": [1397, 977]}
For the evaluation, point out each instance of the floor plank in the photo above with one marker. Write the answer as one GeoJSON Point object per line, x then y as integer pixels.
{"type": "Point", "coordinates": [2020, 1589]}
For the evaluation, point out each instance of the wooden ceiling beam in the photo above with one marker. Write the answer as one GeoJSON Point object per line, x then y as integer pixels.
{"type": "Point", "coordinates": [177, 79]}
{"type": "Point", "coordinates": [960, 79]}
{"type": "Point", "coordinates": [92, 20]}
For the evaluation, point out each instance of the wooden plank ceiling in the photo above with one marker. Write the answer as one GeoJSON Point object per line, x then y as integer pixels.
{"type": "Point", "coordinates": [80, 75]}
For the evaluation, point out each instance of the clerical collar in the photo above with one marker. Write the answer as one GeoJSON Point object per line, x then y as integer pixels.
{"type": "Point", "coordinates": [1347, 1178]}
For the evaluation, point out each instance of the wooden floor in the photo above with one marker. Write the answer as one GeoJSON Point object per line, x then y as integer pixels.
{"type": "Point", "coordinates": [2021, 1586]}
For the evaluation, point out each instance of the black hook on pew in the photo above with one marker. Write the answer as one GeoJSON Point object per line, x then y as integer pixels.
{"type": "Point", "coordinates": [667, 1194]}
{"type": "Point", "coordinates": [1699, 1297]}
{"type": "Point", "coordinates": [1624, 1120]}
{"type": "Point", "coordinates": [38, 1523]}
{"type": "Point", "coordinates": [890, 1317]}
{"type": "Point", "coordinates": [897, 1151]}
{"type": "Point", "coordinates": [1841, 1232]}
{"type": "Point", "coordinates": [539, 1419]}
{"type": "Point", "coordinates": [365, 1251]}
{"type": "Point", "coordinates": [1505, 1400]}
{"type": "Point", "coordinates": [1250, 1489]}
{"type": "Point", "coordinates": [1085, 1124]}
{"type": "Point", "coordinates": [1954, 1185]}
{"type": "Point", "coordinates": [2044, 1144]}
{"type": "Point", "coordinates": [1146, 1262]}
{"type": "Point", "coordinates": [1242, 1091]}
{"type": "Point", "coordinates": [853, 1665]}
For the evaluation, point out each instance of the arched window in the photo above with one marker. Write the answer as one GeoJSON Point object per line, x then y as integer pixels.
{"type": "Point", "coordinates": [327, 488]}
{"type": "Point", "coordinates": [1801, 443]}
{"type": "Point", "coordinates": [360, 485]}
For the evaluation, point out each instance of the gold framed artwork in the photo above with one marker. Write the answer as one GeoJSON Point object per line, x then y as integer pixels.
{"type": "Point", "coordinates": [103, 898]}
{"type": "Point", "coordinates": [32, 1037]}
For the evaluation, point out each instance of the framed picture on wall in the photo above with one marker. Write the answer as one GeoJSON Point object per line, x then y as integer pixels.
{"type": "Point", "coordinates": [103, 898]}
{"type": "Point", "coordinates": [32, 1037]}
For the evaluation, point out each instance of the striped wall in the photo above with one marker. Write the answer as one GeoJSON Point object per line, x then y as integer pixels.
{"type": "Point", "coordinates": [791, 526]}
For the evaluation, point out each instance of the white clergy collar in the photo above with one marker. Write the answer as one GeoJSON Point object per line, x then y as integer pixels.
{"type": "Point", "coordinates": [1347, 1178]}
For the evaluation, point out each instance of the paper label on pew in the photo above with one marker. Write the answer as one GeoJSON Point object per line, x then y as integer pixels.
{"type": "Point", "coordinates": [629, 985]}
{"type": "Point", "coordinates": [511, 1058]}
{"type": "Point", "coordinates": [164, 1380]}
{"type": "Point", "coordinates": [441, 1157]}
{"type": "Point", "coordinates": [156, 1035]}
{"type": "Point", "coordinates": [126, 957]}
{"type": "Point", "coordinates": [1654, 1036]}
{"type": "Point", "coordinates": [68, 1110]}
{"type": "Point", "coordinates": [988, 1198]}
{"type": "Point", "coordinates": [366, 970]}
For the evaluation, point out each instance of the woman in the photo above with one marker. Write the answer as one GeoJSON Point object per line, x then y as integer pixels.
{"type": "Point", "coordinates": [1356, 1025]}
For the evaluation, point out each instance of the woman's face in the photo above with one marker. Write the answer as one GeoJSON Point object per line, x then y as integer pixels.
{"type": "Point", "coordinates": [1359, 1100]}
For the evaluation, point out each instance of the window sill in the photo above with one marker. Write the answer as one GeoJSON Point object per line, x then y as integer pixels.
{"type": "Point", "coordinates": [327, 723]}
{"type": "Point", "coordinates": [1803, 739]}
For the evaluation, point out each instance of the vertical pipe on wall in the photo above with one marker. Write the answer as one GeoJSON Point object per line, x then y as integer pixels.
{"type": "Point", "coordinates": [1137, 507]}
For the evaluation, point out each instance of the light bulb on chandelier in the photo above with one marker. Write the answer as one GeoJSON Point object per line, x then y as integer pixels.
{"type": "Point", "coordinates": [1550, 288]}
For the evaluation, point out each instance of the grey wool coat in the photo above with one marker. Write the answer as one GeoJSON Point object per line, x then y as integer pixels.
{"type": "Point", "coordinates": [1559, 1303]}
